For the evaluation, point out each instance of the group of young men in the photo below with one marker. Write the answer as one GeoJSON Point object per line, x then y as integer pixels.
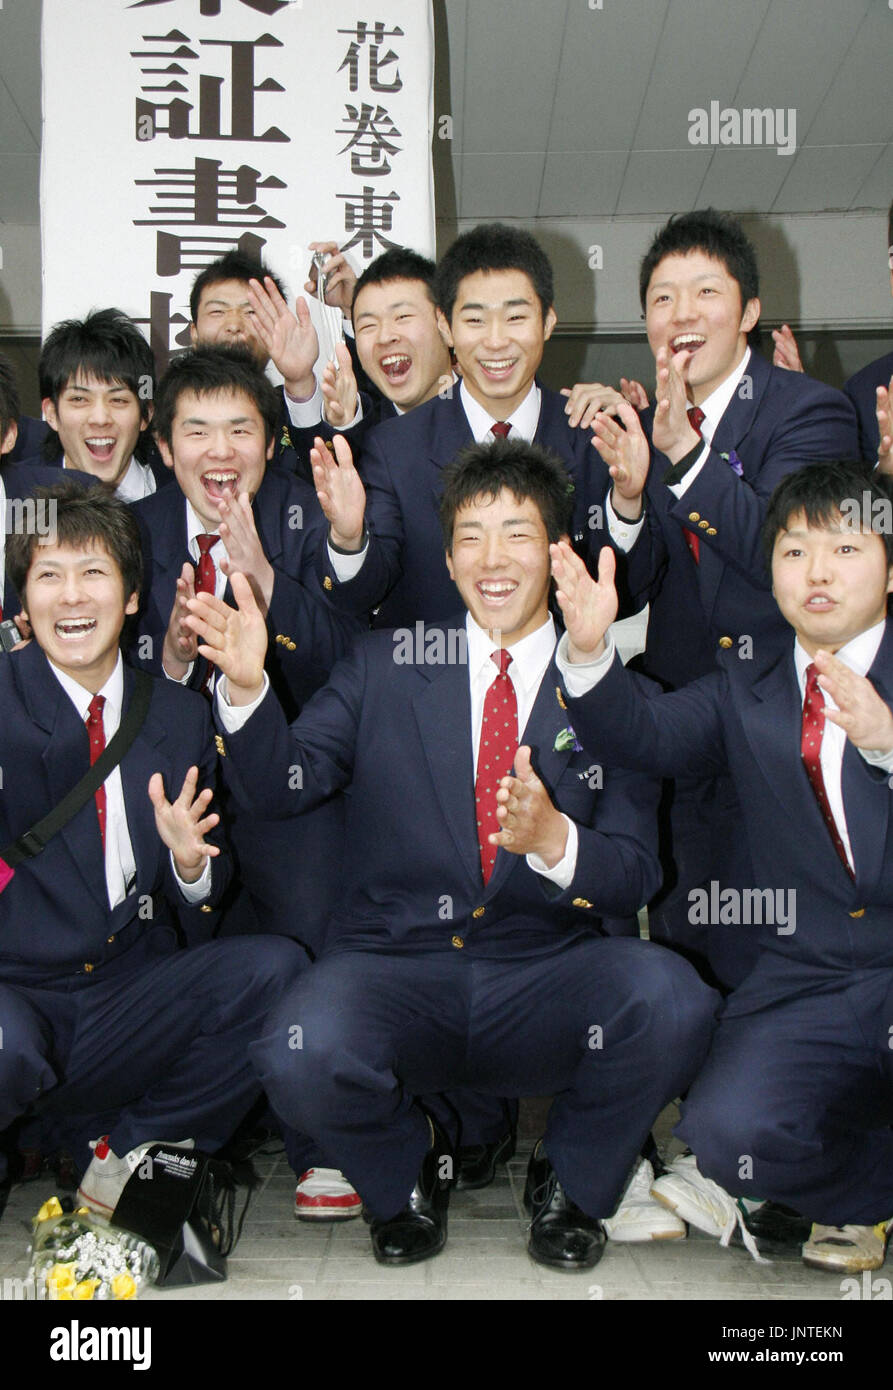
{"type": "Point", "coordinates": [390, 879]}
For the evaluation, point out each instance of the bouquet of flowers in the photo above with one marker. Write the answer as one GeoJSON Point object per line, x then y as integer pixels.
{"type": "Point", "coordinates": [76, 1255]}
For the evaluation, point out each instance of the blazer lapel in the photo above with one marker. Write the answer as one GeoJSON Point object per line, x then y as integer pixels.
{"type": "Point", "coordinates": [451, 430]}
{"type": "Point", "coordinates": [743, 408]}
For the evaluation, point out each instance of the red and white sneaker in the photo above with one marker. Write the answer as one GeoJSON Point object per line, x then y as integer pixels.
{"type": "Point", "coordinates": [107, 1174]}
{"type": "Point", "coordinates": [324, 1194]}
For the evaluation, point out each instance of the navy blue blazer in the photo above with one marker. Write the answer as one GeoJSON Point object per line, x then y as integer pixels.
{"type": "Point", "coordinates": [29, 440]}
{"type": "Point", "coordinates": [399, 736]}
{"type": "Point", "coordinates": [55, 918]}
{"type": "Point", "coordinates": [306, 635]}
{"type": "Point", "coordinates": [861, 390]}
{"type": "Point", "coordinates": [402, 466]}
{"type": "Point", "coordinates": [745, 718]}
{"type": "Point", "coordinates": [776, 422]}
{"type": "Point", "coordinates": [160, 472]}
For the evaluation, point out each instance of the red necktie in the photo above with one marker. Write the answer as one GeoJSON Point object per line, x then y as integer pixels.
{"type": "Point", "coordinates": [205, 574]}
{"type": "Point", "coordinates": [501, 428]}
{"type": "Point", "coordinates": [498, 746]}
{"type": "Point", "coordinates": [97, 744]}
{"type": "Point", "coordinates": [811, 736]}
{"type": "Point", "coordinates": [692, 540]}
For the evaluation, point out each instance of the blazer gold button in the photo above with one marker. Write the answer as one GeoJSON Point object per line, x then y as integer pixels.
{"type": "Point", "coordinates": [860, 912]}
{"type": "Point", "coordinates": [88, 967]}
{"type": "Point", "coordinates": [458, 943]}
{"type": "Point", "coordinates": [207, 908]}
{"type": "Point", "coordinates": [291, 646]}
{"type": "Point", "coordinates": [219, 745]}
{"type": "Point", "coordinates": [711, 530]}
{"type": "Point", "coordinates": [703, 525]}
{"type": "Point", "coordinates": [582, 902]}
{"type": "Point", "coordinates": [694, 516]}
{"type": "Point", "coordinates": [725, 642]}
{"type": "Point", "coordinates": [560, 697]}
{"type": "Point", "coordinates": [479, 912]}
{"type": "Point", "coordinates": [109, 940]}
{"type": "Point", "coordinates": [327, 583]}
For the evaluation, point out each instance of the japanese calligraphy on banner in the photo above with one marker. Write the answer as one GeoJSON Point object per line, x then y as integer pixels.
{"type": "Point", "coordinates": [177, 130]}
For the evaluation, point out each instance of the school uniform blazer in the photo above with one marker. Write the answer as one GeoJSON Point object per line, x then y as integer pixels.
{"type": "Point", "coordinates": [306, 636]}
{"type": "Point", "coordinates": [399, 736]}
{"type": "Point", "coordinates": [402, 466]}
{"type": "Point", "coordinates": [29, 439]}
{"type": "Point", "coordinates": [861, 390]}
{"type": "Point", "coordinates": [776, 422]}
{"type": "Point", "coordinates": [745, 718]}
{"type": "Point", "coordinates": [56, 926]}
{"type": "Point", "coordinates": [163, 475]}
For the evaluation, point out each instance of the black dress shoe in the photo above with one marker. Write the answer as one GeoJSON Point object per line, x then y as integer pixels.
{"type": "Point", "coordinates": [561, 1235]}
{"type": "Point", "coordinates": [419, 1230]}
{"type": "Point", "coordinates": [477, 1163]}
{"type": "Point", "coordinates": [778, 1228]}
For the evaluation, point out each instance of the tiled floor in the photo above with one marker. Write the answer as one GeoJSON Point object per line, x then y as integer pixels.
{"type": "Point", "coordinates": [485, 1258]}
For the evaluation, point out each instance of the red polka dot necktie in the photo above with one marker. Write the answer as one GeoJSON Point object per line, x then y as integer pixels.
{"type": "Point", "coordinates": [696, 420]}
{"type": "Point", "coordinates": [496, 754]}
{"type": "Point", "coordinates": [205, 574]}
{"type": "Point", "coordinates": [96, 731]}
{"type": "Point", "coordinates": [501, 428]}
{"type": "Point", "coordinates": [811, 736]}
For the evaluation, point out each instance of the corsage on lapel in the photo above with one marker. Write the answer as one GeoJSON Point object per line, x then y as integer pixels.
{"type": "Point", "coordinates": [566, 740]}
{"type": "Point", "coordinates": [285, 441]}
{"type": "Point", "coordinates": [734, 463]}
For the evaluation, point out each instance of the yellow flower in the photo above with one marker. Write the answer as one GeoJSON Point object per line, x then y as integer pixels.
{"type": "Point", "coordinates": [61, 1280]}
{"type": "Point", "coordinates": [85, 1289]}
{"type": "Point", "coordinates": [123, 1286]}
{"type": "Point", "coordinates": [49, 1209]}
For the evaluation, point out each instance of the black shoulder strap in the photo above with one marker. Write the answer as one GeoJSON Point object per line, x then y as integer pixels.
{"type": "Point", "coordinates": [34, 840]}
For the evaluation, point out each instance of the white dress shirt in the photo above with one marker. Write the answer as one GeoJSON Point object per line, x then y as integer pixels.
{"type": "Point", "coordinates": [138, 481]}
{"type": "Point", "coordinates": [195, 527]}
{"type": "Point", "coordinates": [530, 659]}
{"type": "Point", "coordinates": [120, 864]}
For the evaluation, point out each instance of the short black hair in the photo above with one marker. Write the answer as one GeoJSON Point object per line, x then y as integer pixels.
{"type": "Point", "coordinates": [714, 233]}
{"type": "Point", "coordinates": [82, 515]}
{"type": "Point", "coordinates": [826, 492]}
{"type": "Point", "coordinates": [235, 265]}
{"type": "Point", "coordinates": [494, 246]}
{"type": "Point", "coordinates": [209, 370]}
{"type": "Point", "coordinates": [106, 345]}
{"type": "Point", "coordinates": [526, 470]}
{"type": "Point", "coordinates": [10, 404]}
{"type": "Point", "coordinates": [400, 263]}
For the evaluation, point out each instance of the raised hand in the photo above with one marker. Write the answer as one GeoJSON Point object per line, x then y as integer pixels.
{"type": "Point", "coordinates": [183, 825]}
{"type": "Point", "coordinates": [243, 547]}
{"type": "Point", "coordinates": [589, 606]}
{"type": "Point", "coordinates": [624, 448]}
{"type": "Point", "coordinates": [586, 399]}
{"type": "Point", "coordinates": [289, 338]}
{"type": "Point", "coordinates": [340, 491]}
{"type": "Point", "coordinates": [634, 392]}
{"type": "Point", "coordinates": [787, 353]}
{"type": "Point", "coordinates": [672, 431]}
{"type": "Point", "coordinates": [885, 428]}
{"type": "Point", "coordinates": [234, 639]}
{"type": "Point", "coordinates": [865, 718]}
{"type": "Point", "coordinates": [340, 277]}
{"type": "Point", "coordinates": [180, 646]}
{"type": "Point", "coordinates": [529, 823]}
{"type": "Point", "coordinates": [339, 389]}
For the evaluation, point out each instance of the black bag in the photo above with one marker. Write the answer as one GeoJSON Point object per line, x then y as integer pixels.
{"type": "Point", "coordinates": [183, 1203]}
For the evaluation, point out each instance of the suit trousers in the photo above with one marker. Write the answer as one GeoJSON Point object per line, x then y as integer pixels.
{"type": "Point", "coordinates": [163, 1049]}
{"type": "Point", "coordinates": [795, 1102]}
{"type": "Point", "coordinates": [613, 1028]}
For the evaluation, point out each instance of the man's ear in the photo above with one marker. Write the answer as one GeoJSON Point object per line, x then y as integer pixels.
{"type": "Point", "coordinates": [750, 316]}
{"type": "Point", "coordinates": [7, 443]}
{"type": "Point", "coordinates": [132, 604]}
{"type": "Point", "coordinates": [444, 327]}
{"type": "Point", "coordinates": [49, 413]}
{"type": "Point", "coordinates": [890, 580]}
{"type": "Point", "coordinates": [549, 322]}
{"type": "Point", "coordinates": [193, 335]}
{"type": "Point", "coordinates": [164, 450]}
{"type": "Point", "coordinates": [271, 449]}
{"type": "Point", "coordinates": [449, 564]}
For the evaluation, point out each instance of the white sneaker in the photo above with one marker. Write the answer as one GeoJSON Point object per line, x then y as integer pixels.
{"type": "Point", "coordinates": [324, 1194]}
{"type": "Point", "coordinates": [846, 1248]}
{"type": "Point", "coordinates": [703, 1203]}
{"type": "Point", "coordinates": [638, 1216]}
{"type": "Point", "coordinates": [108, 1175]}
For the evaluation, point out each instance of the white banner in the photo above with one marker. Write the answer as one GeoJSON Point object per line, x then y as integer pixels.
{"type": "Point", "coordinates": [177, 130]}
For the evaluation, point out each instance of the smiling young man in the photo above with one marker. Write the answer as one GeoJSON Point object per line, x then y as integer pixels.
{"type": "Point", "coordinates": [794, 1102]}
{"type": "Point", "coordinates": [97, 382]}
{"type": "Point", "coordinates": [467, 949]}
{"type": "Point", "coordinates": [102, 1013]}
{"type": "Point", "coordinates": [494, 293]}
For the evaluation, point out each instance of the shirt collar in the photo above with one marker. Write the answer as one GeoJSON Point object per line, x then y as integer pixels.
{"type": "Point", "coordinates": [859, 654]}
{"type": "Point", "coordinates": [717, 403]}
{"type": "Point", "coordinates": [113, 690]}
{"type": "Point", "coordinates": [138, 482]}
{"type": "Point", "coordinates": [405, 409]}
{"type": "Point", "coordinates": [195, 526]}
{"type": "Point", "coordinates": [530, 656]}
{"type": "Point", "coordinates": [523, 421]}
